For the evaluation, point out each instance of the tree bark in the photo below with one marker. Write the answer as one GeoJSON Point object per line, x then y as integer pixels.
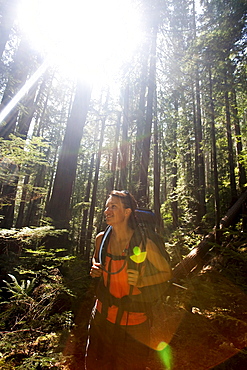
{"type": "Point", "coordinates": [174, 201]}
{"type": "Point", "coordinates": [230, 146]}
{"type": "Point", "coordinates": [124, 148]}
{"type": "Point", "coordinates": [94, 192]}
{"type": "Point", "coordinates": [143, 183]}
{"type": "Point", "coordinates": [140, 122]}
{"type": "Point", "coordinates": [199, 155]}
{"type": "Point", "coordinates": [241, 169]}
{"type": "Point", "coordinates": [83, 233]}
{"type": "Point", "coordinates": [19, 72]}
{"type": "Point", "coordinates": [214, 153]}
{"type": "Point", "coordinates": [157, 171]}
{"type": "Point", "coordinates": [111, 182]}
{"type": "Point", "coordinates": [59, 205]}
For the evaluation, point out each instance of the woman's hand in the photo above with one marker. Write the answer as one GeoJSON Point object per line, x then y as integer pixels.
{"type": "Point", "coordinates": [96, 270]}
{"type": "Point", "coordinates": [134, 278]}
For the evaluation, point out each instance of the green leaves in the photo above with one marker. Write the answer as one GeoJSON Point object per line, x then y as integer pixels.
{"type": "Point", "coordinates": [20, 290]}
{"type": "Point", "coordinates": [22, 152]}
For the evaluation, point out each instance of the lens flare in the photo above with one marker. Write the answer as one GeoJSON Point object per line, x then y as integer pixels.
{"type": "Point", "coordinates": [138, 256]}
{"type": "Point", "coordinates": [165, 354]}
{"type": "Point", "coordinates": [137, 251]}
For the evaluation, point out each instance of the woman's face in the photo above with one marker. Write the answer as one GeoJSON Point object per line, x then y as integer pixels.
{"type": "Point", "coordinates": [115, 212]}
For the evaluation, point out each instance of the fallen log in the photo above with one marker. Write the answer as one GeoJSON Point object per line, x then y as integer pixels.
{"type": "Point", "coordinates": [197, 255]}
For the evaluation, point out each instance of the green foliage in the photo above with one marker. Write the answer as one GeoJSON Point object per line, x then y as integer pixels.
{"type": "Point", "coordinates": [21, 153]}
{"type": "Point", "coordinates": [40, 299]}
{"type": "Point", "coordinates": [20, 291]}
{"type": "Point", "coordinates": [28, 319]}
{"type": "Point", "coordinates": [26, 350]}
{"type": "Point", "coordinates": [180, 243]}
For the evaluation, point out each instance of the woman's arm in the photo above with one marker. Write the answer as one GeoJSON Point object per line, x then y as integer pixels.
{"type": "Point", "coordinates": [138, 278]}
{"type": "Point", "coordinates": [96, 270]}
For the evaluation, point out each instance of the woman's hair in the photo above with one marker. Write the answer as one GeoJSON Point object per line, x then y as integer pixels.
{"type": "Point", "coordinates": [128, 201]}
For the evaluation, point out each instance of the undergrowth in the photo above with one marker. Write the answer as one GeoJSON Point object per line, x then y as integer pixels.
{"type": "Point", "coordinates": [46, 298]}
{"type": "Point", "coordinates": [41, 289]}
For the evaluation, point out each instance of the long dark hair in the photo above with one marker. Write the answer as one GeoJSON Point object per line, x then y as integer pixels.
{"type": "Point", "coordinates": [128, 201]}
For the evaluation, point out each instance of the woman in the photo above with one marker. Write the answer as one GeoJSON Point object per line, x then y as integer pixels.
{"type": "Point", "coordinates": [119, 331]}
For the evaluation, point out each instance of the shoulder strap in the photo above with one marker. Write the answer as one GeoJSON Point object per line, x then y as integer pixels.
{"type": "Point", "coordinates": [137, 238]}
{"type": "Point", "coordinates": [103, 252]}
{"type": "Point", "coordinates": [104, 244]}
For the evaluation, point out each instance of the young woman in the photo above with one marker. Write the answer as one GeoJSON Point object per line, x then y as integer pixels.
{"type": "Point", "coordinates": [120, 329]}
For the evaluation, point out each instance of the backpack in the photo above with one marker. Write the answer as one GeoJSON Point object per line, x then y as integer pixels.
{"type": "Point", "coordinates": [147, 222]}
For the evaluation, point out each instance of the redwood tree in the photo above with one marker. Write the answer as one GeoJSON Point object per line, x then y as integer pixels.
{"type": "Point", "coordinates": [59, 205]}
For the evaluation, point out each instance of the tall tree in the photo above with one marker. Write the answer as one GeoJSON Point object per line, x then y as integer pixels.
{"type": "Point", "coordinates": [59, 205]}
{"type": "Point", "coordinates": [173, 152]}
{"type": "Point", "coordinates": [143, 183]}
{"type": "Point", "coordinates": [112, 179]}
{"type": "Point", "coordinates": [156, 191]}
{"type": "Point", "coordinates": [83, 233]}
{"type": "Point", "coordinates": [214, 150]}
{"type": "Point", "coordinates": [199, 154]}
{"type": "Point", "coordinates": [22, 66]}
{"type": "Point", "coordinates": [95, 185]}
{"type": "Point", "coordinates": [230, 143]}
{"type": "Point", "coordinates": [124, 148]}
{"type": "Point", "coordinates": [140, 119]}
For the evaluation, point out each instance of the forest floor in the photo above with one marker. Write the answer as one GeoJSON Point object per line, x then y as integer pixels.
{"type": "Point", "coordinates": [203, 327]}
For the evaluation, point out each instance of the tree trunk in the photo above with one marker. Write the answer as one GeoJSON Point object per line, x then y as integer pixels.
{"type": "Point", "coordinates": [140, 123]}
{"type": "Point", "coordinates": [200, 170]}
{"type": "Point", "coordinates": [8, 198]}
{"type": "Point", "coordinates": [230, 146]}
{"type": "Point", "coordinates": [33, 213]}
{"type": "Point", "coordinates": [111, 182]}
{"type": "Point", "coordinates": [174, 202]}
{"type": "Point", "coordinates": [241, 169]}
{"type": "Point", "coordinates": [83, 234]}
{"type": "Point", "coordinates": [143, 185]}
{"type": "Point", "coordinates": [214, 153]}
{"type": "Point", "coordinates": [157, 171]}
{"type": "Point", "coordinates": [199, 155]}
{"type": "Point", "coordinates": [19, 73]}
{"type": "Point", "coordinates": [124, 149]}
{"type": "Point", "coordinates": [94, 192]}
{"type": "Point", "coordinates": [20, 217]}
{"type": "Point", "coordinates": [59, 205]}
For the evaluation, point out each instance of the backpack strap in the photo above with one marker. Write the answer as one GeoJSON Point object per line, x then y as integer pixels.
{"type": "Point", "coordinates": [103, 245]}
{"type": "Point", "coordinates": [103, 253]}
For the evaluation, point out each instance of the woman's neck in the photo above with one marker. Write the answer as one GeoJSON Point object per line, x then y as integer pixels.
{"type": "Point", "coordinates": [122, 233]}
{"type": "Point", "coordinates": [119, 239]}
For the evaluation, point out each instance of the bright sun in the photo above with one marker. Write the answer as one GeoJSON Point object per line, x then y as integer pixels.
{"type": "Point", "coordinates": [83, 37]}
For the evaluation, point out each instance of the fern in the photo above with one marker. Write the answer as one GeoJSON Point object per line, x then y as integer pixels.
{"type": "Point", "coordinates": [18, 290]}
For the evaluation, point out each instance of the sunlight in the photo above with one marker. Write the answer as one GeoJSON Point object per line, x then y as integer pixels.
{"type": "Point", "coordinates": [23, 91]}
{"type": "Point", "coordinates": [89, 38]}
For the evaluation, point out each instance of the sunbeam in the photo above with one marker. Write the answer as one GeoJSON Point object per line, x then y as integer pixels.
{"type": "Point", "coordinates": [23, 91]}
